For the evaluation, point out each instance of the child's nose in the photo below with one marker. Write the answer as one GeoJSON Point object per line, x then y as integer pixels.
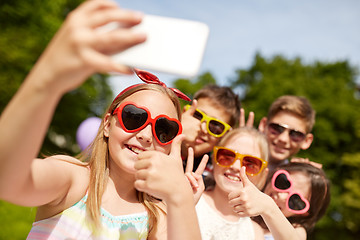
{"type": "Point", "coordinates": [145, 134]}
{"type": "Point", "coordinates": [284, 136]}
{"type": "Point", "coordinates": [203, 127]}
{"type": "Point", "coordinates": [279, 198]}
{"type": "Point", "coordinates": [236, 165]}
{"type": "Point", "coordinates": [283, 195]}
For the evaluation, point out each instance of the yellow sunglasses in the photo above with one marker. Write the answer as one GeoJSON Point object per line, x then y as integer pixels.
{"type": "Point", "coordinates": [225, 157]}
{"type": "Point", "coordinates": [215, 127]}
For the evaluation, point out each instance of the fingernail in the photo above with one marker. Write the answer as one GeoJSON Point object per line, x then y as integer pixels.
{"type": "Point", "coordinates": [139, 15]}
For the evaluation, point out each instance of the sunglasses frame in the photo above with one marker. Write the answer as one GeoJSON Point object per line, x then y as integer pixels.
{"type": "Point", "coordinates": [241, 158]}
{"type": "Point", "coordinates": [207, 118]}
{"type": "Point", "coordinates": [118, 111]}
{"type": "Point", "coordinates": [290, 192]}
{"type": "Point", "coordinates": [290, 131]}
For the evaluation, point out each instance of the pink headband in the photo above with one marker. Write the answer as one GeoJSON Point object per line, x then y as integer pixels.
{"type": "Point", "coordinates": [152, 79]}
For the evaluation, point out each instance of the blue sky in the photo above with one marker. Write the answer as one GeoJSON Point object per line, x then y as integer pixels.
{"type": "Point", "coordinates": [324, 30]}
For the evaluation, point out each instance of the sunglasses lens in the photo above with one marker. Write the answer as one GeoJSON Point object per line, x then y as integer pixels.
{"type": "Point", "coordinates": [198, 115]}
{"type": "Point", "coordinates": [133, 117]}
{"type": "Point", "coordinates": [296, 203]}
{"type": "Point", "coordinates": [225, 157]}
{"type": "Point", "coordinates": [252, 164]}
{"type": "Point", "coordinates": [296, 136]}
{"type": "Point", "coordinates": [166, 130]}
{"type": "Point", "coordinates": [282, 182]}
{"type": "Point", "coordinates": [276, 128]}
{"type": "Point", "coordinates": [216, 127]}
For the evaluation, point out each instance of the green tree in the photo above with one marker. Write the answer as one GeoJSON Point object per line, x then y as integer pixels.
{"type": "Point", "coordinates": [190, 87]}
{"type": "Point", "coordinates": [331, 88]}
{"type": "Point", "coordinates": [26, 29]}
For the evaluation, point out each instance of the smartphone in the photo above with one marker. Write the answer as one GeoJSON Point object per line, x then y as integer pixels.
{"type": "Point", "coordinates": [173, 45]}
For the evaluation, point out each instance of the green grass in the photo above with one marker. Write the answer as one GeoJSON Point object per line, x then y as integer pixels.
{"type": "Point", "coordinates": [15, 221]}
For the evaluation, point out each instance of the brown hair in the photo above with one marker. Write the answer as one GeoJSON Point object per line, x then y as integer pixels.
{"type": "Point", "coordinates": [97, 156]}
{"type": "Point", "coordinates": [299, 106]}
{"type": "Point", "coordinates": [224, 98]}
{"type": "Point", "coordinates": [319, 194]}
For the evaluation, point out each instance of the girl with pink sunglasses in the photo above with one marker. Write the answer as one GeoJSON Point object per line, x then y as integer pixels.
{"type": "Point", "coordinates": [296, 195]}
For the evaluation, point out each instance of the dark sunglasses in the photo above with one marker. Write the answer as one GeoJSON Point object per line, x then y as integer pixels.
{"type": "Point", "coordinates": [215, 127]}
{"type": "Point", "coordinates": [295, 202]}
{"type": "Point", "coordinates": [226, 157]}
{"type": "Point", "coordinates": [133, 118]}
{"type": "Point", "coordinates": [277, 129]}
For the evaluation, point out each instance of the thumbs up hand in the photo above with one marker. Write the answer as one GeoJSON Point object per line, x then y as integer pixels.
{"type": "Point", "coordinates": [249, 200]}
{"type": "Point", "coordinates": [161, 175]}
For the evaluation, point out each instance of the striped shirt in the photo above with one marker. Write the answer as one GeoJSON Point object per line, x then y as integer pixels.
{"type": "Point", "coordinates": [73, 223]}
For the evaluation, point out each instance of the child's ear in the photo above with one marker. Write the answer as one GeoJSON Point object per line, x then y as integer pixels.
{"type": "Point", "coordinates": [262, 124]}
{"type": "Point", "coordinates": [107, 124]}
{"type": "Point", "coordinates": [307, 142]}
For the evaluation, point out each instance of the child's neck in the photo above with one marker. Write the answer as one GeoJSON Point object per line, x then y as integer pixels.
{"type": "Point", "coordinates": [120, 198]}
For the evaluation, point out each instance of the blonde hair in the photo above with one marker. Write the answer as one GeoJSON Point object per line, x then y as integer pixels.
{"type": "Point", "coordinates": [259, 138]}
{"type": "Point", "coordinates": [97, 156]}
{"type": "Point", "coordinates": [299, 106]}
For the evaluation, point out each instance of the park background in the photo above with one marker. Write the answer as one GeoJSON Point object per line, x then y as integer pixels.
{"type": "Point", "coordinates": [263, 49]}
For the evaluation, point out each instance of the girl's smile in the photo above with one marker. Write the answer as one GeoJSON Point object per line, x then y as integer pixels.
{"type": "Point", "coordinates": [135, 149]}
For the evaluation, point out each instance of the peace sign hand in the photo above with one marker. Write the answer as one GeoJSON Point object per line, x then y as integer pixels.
{"type": "Point", "coordinates": [195, 178]}
{"type": "Point", "coordinates": [250, 121]}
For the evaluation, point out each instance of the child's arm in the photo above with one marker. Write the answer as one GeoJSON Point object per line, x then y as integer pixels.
{"type": "Point", "coordinates": [162, 176]}
{"type": "Point", "coordinates": [250, 201]}
{"type": "Point", "coordinates": [77, 51]}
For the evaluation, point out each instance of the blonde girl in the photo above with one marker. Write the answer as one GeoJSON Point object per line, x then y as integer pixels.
{"type": "Point", "coordinates": [133, 185]}
{"type": "Point", "coordinates": [240, 147]}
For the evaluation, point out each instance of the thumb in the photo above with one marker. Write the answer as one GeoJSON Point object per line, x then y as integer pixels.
{"type": "Point", "coordinates": [175, 150]}
{"type": "Point", "coordinates": [243, 177]}
{"type": "Point", "coordinates": [192, 108]}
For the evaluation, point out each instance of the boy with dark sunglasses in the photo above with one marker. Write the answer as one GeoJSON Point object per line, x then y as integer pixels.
{"type": "Point", "coordinates": [288, 128]}
{"type": "Point", "coordinates": [214, 111]}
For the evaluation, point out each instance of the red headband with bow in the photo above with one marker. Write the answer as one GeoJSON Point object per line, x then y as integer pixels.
{"type": "Point", "coordinates": [151, 78]}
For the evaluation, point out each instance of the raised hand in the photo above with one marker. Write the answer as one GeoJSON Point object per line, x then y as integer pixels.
{"type": "Point", "coordinates": [250, 121]}
{"type": "Point", "coordinates": [79, 49]}
{"type": "Point", "coordinates": [249, 200]}
{"type": "Point", "coordinates": [195, 178]}
{"type": "Point", "coordinates": [162, 175]}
